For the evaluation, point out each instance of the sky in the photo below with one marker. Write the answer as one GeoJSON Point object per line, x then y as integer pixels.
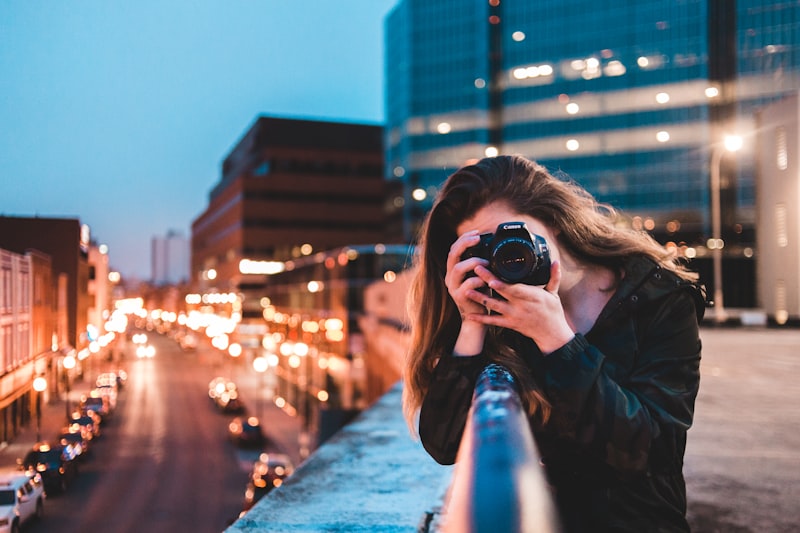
{"type": "Point", "coordinates": [121, 113]}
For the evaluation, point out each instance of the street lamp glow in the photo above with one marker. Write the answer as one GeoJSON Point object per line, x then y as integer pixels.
{"type": "Point", "coordinates": [260, 364]}
{"type": "Point", "coordinates": [235, 349]}
{"type": "Point", "coordinates": [39, 384]}
{"type": "Point", "coordinates": [731, 143]}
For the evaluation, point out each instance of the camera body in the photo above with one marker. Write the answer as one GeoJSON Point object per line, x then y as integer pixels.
{"type": "Point", "coordinates": [515, 254]}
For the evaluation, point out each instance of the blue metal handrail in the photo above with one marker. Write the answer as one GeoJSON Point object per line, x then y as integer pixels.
{"type": "Point", "coordinates": [498, 483]}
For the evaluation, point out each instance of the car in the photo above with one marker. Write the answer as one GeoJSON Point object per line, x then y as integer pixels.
{"type": "Point", "coordinates": [109, 392]}
{"type": "Point", "coordinates": [97, 404]}
{"type": "Point", "coordinates": [188, 342]}
{"type": "Point", "coordinates": [75, 446]}
{"type": "Point", "coordinates": [145, 351]}
{"type": "Point", "coordinates": [87, 424]}
{"type": "Point", "coordinates": [112, 379]}
{"type": "Point", "coordinates": [53, 464]}
{"type": "Point", "coordinates": [245, 432]}
{"type": "Point", "coordinates": [21, 499]}
{"type": "Point", "coordinates": [229, 402]}
{"type": "Point", "coordinates": [220, 385]}
{"type": "Point", "coordinates": [268, 473]}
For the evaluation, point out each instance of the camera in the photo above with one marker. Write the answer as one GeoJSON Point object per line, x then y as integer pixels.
{"type": "Point", "coordinates": [515, 254]}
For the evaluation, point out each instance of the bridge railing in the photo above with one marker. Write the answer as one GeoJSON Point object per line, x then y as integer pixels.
{"type": "Point", "coordinates": [498, 483]}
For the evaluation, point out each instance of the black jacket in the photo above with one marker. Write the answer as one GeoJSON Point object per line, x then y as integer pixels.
{"type": "Point", "coordinates": [622, 396]}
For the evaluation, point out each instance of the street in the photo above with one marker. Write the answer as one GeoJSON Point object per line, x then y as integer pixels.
{"type": "Point", "coordinates": [164, 462]}
{"type": "Point", "coordinates": [743, 454]}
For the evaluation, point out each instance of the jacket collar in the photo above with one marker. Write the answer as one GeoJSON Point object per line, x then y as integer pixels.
{"type": "Point", "coordinates": [645, 281]}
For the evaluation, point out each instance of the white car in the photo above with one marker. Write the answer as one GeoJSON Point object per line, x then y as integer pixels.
{"type": "Point", "coordinates": [21, 499]}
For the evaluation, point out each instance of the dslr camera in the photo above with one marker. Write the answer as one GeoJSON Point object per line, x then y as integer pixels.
{"type": "Point", "coordinates": [515, 254]}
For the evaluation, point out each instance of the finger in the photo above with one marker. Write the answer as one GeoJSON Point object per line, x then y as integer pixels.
{"type": "Point", "coordinates": [555, 278]}
{"type": "Point", "coordinates": [486, 319]}
{"type": "Point", "coordinates": [457, 249]}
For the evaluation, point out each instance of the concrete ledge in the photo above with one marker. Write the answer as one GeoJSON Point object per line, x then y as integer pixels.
{"type": "Point", "coordinates": [370, 476]}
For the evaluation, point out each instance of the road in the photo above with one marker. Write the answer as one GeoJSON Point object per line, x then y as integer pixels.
{"type": "Point", "coordinates": [742, 462]}
{"type": "Point", "coordinates": [164, 462]}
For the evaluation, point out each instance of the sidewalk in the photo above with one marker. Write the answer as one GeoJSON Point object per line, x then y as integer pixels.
{"type": "Point", "coordinates": [53, 419]}
{"type": "Point", "coordinates": [743, 452]}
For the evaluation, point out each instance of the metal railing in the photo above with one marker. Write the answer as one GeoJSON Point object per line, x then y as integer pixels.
{"type": "Point", "coordinates": [498, 483]}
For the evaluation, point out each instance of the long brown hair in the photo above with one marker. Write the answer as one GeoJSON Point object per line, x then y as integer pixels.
{"type": "Point", "coordinates": [587, 230]}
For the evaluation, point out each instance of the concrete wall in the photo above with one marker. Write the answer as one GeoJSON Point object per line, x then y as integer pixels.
{"type": "Point", "coordinates": [370, 476]}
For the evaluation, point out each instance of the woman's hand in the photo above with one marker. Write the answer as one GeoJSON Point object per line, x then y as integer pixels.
{"type": "Point", "coordinates": [461, 282]}
{"type": "Point", "coordinates": [535, 312]}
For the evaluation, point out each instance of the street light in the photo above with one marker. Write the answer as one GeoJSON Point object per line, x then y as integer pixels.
{"type": "Point", "coordinates": [69, 364]}
{"type": "Point", "coordinates": [260, 365]}
{"type": "Point", "coordinates": [731, 143]}
{"type": "Point", "coordinates": [39, 385]}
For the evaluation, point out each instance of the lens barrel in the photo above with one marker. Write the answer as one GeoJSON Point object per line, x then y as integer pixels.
{"type": "Point", "coordinates": [513, 259]}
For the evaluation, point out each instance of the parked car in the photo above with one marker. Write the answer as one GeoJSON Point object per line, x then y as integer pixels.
{"type": "Point", "coordinates": [188, 342]}
{"type": "Point", "coordinates": [109, 392]}
{"type": "Point", "coordinates": [112, 379]}
{"type": "Point", "coordinates": [75, 446]}
{"type": "Point", "coordinates": [52, 463]}
{"type": "Point", "coordinates": [21, 499]}
{"type": "Point", "coordinates": [229, 402]}
{"type": "Point", "coordinates": [97, 404]}
{"type": "Point", "coordinates": [88, 425]}
{"type": "Point", "coordinates": [246, 432]}
{"type": "Point", "coordinates": [219, 386]}
{"type": "Point", "coordinates": [268, 473]}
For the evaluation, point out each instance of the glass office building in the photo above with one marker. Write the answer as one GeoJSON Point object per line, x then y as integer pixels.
{"type": "Point", "coordinates": [630, 99]}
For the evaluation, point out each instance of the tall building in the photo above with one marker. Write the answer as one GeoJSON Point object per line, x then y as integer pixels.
{"type": "Point", "coordinates": [290, 188]}
{"type": "Point", "coordinates": [630, 99]}
{"type": "Point", "coordinates": [170, 259]}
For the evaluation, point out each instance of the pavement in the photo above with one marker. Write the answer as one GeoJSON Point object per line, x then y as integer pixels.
{"type": "Point", "coordinates": [742, 463]}
{"type": "Point", "coordinates": [53, 419]}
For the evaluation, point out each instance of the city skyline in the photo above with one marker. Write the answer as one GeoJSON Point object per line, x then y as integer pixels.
{"type": "Point", "coordinates": [121, 116]}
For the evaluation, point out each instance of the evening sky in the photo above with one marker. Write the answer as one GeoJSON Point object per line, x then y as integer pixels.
{"type": "Point", "coordinates": [120, 113]}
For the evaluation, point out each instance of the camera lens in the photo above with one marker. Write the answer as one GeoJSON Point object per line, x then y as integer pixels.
{"type": "Point", "coordinates": [513, 259]}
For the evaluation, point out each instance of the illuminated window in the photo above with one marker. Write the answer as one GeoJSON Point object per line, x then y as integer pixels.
{"type": "Point", "coordinates": [781, 232]}
{"type": "Point", "coordinates": [781, 150]}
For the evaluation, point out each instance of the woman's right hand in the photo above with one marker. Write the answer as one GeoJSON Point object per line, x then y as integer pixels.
{"type": "Point", "coordinates": [460, 280]}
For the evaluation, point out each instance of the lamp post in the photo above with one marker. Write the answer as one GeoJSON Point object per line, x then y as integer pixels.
{"type": "Point", "coordinates": [39, 385]}
{"type": "Point", "coordinates": [260, 365]}
{"type": "Point", "coordinates": [69, 364]}
{"type": "Point", "coordinates": [731, 143]}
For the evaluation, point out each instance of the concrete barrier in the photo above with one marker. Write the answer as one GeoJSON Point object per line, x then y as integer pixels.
{"type": "Point", "coordinates": [370, 476]}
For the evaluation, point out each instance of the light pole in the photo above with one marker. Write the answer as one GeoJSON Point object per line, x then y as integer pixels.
{"type": "Point", "coordinates": [732, 143]}
{"type": "Point", "coordinates": [260, 365]}
{"type": "Point", "coordinates": [69, 364]}
{"type": "Point", "coordinates": [39, 385]}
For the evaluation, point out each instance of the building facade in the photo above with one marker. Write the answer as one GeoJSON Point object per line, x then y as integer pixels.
{"type": "Point", "coordinates": [30, 321]}
{"type": "Point", "coordinates": [778, 210]}
{"type": "Point", "coordinates": [629, 99]}
{"type": "Point", "coordinates": [67, 243]}
{"type": "Point", "coordinates": [290, 188]}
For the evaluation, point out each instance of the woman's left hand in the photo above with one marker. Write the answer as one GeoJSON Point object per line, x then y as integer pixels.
{"type": "Point", "coordinates": [535, 312]}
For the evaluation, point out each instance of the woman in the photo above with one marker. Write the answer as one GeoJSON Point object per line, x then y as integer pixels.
{"type": "Point", "coordinates": [606, 354]}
